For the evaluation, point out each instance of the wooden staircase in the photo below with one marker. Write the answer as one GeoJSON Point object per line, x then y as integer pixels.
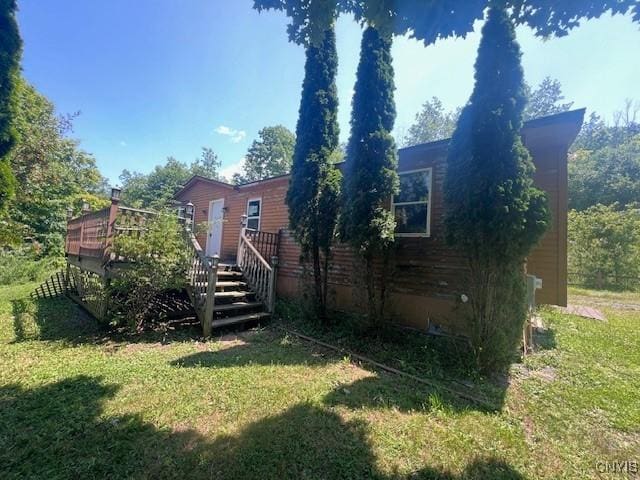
{"type": "Point", "coordinates": [228, 294]}
{"type": "Point", "coordinates": [235, 301]}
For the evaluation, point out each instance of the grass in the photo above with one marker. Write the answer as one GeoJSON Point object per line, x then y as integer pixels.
{"type": "Point", "coordinates": [79, 402]}
{"type": "Point", "coordinates": [605, 297]}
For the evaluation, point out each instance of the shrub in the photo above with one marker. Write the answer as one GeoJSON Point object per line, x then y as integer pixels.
{"type": "Point", "coordinates": [158, 261]}
{"type": "Point", "coordinates": [25, 265]}
{"type": "Point", "coordinates": [604, 245]}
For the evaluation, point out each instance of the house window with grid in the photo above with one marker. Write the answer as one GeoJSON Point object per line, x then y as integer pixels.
{"type": "Point", "coordinates": [254, 207]}
{"type": "Point", "coordinates": [412, 206]}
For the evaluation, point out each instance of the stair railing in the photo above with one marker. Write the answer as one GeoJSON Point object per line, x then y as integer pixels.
{"type": "Point", "coordinates": [260, 276]}
{"type": "Point", "coordinates": [202, 276]}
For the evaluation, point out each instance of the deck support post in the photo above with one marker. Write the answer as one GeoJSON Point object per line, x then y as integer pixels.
{"type": "Point", "coordinates": [212, 279]}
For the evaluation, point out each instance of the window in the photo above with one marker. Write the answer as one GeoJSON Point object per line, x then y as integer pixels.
{"type": "Point", "coordinates": [411, 207]}
{"type": "Point", "coordinates": [253, 213]}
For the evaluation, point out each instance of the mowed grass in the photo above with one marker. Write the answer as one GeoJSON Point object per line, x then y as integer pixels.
{"type": "Point", "coordinates": [79, 402]}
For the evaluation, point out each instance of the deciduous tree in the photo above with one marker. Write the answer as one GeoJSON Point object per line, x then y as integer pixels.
{"type": "Point", "coordinates": [432, 123]}
{"type": "Point", "coordinates": [545, 100]}
{"type": "Point", "coordinates": [269, 155]}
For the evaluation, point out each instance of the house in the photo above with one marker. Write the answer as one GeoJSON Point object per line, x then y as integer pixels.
{"type": "Point", "coordinates": [426, 273]}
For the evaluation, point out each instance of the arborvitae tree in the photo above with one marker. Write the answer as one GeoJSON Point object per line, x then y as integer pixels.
{"type": "Point", "coordinates": [10, 49]}
{"type": "Point", "coordinates": [370, 176]}
{"type": "Point", "coordinates": [495, 216]}
{"type": "Point", "coordinates": [313, 190]}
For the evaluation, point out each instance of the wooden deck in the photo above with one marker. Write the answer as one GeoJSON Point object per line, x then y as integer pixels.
{"type": "Point", "coordinates": [220, 294]}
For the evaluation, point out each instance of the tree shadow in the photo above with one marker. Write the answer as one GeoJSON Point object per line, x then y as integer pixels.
{"type": "Point", "coordinates": [385, 391]}
{"type": "Point", "coordinates": [62, 430]}
{"type": "Point", "coordinates": [381, 390]}
{"type": "Point", "coordinates": [254, 348]}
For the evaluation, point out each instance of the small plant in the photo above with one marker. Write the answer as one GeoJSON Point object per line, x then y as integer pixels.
{"type": "Point", "coordinates": [158, 263]}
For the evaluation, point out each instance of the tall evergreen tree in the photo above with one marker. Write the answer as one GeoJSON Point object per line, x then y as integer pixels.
{"type": "Point", "coordinates": [10, 50]}
{"type": "Point", "coordinates": [494, 214]}
{"type": "Point", "coordinates": [370, 175]}
{"type": "Point", "coordinates": [313, 191]}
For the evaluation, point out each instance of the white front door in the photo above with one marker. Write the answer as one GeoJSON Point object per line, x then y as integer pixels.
{"type": "Point", "coordinates": [214, 235]}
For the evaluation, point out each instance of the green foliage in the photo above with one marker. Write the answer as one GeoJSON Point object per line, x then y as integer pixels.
{"type": "Point", "coordinates": [494, 214]}
{"type": "Point", "coordinates": [545, 100]}
{"type": "Point", "coordinates": [158, 261]}
{"type": "Point", "coordinates": [26, 264]}
{"type": "Point", "coordinates": [10, 52]}
{"type": "Point", "coordinates": [314, 188]}
{"type": "Point", "coordinates": [604, 244]}
{"type": "Point", "coordinates": [430, 21]}
{"type": "Point", "coordinates": [54, 174]}
{"type": "Point", "coordinates": [370, 171]}
{"type": "Point", "coordinates": [207, 165]}
{"type": "Point", "coordinates": [156, 189]}
{"type": "Point", "coordinates": [268, 156]}
{"type": "Point", "coordinates": [431, 123]}
{"type": "Point", "coordinates": [607, 175]}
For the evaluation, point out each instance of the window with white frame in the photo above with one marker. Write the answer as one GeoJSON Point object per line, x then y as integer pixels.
{"type": "Point", "coordinates": [254, 207]}
{"type": "Point", "coordinates": [412, 206]}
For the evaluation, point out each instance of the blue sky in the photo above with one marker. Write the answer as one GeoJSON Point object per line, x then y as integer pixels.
{"type": "Point", "coordinates": [154, 78]}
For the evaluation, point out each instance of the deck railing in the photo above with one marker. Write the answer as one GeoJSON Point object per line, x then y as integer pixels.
{"type": "Point", "coordinates": [87, 235]}
{"type": "Point", "coordinates": [259, 274]}
{"type": "Point", "coordinates": [266, 243]}
{"type": "Point", "coordinates": [202, 276]}
{"type": "Point", "coordinates": [91, 234]}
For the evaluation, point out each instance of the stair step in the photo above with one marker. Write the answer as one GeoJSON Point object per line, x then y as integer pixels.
{"type": "Point", "coordinates": [236, 306]}
{"type": "Point", "coordinates": [239, 319]}
{"type": "Point", "coordinates": [224, 284]}
{"type": "Point", "coordinates": [233, 294]}
{"type": "Point", "coordinates": [231, 284]}
{"type": "Point", "coordinates": [229, 274]}
{"type": "Point", "coordinates": [227, 267]}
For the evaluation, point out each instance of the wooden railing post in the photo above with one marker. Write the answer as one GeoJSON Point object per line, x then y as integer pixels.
{"type": "Point", "coordinates": [272, 284]}
{"type": "Point", "coordinates": [212, 279]}
{"type": "Point", "coordinates": [111, 227]}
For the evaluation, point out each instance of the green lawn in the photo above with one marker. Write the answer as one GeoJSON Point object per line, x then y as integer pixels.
{"type": "Point", "coordinates": [77, 402]}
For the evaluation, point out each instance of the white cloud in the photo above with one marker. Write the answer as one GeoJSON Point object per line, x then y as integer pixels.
{"type": "Point", "coordinates": [228, 171]}
{"type": "Point", "coordinates": [235, 136]}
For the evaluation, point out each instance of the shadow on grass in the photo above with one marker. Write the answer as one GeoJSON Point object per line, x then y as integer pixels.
{"type": "Point", "coordinates": [59, 319]}
{"type": "Point", "coordinates": [380, 390]}
{"type": "Point", "coordinates": [61, 430]}
{"type": "Point", "coordinates": [254, 348]}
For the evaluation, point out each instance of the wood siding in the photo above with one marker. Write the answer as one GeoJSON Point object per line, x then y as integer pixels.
{"type": "Point", "coordinates": [426, 272]}
{"type": "Point", "coordinates": [273, 216]}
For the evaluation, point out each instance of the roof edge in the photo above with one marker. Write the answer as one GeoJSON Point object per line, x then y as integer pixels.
{"type": "Point", "coordinates": [570, 116]}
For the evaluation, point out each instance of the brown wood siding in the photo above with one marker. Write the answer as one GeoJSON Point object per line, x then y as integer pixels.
{"type": "Point", "coordinates": [273, 216]}
{"type": "Point", "coordinates": [426, 274]}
